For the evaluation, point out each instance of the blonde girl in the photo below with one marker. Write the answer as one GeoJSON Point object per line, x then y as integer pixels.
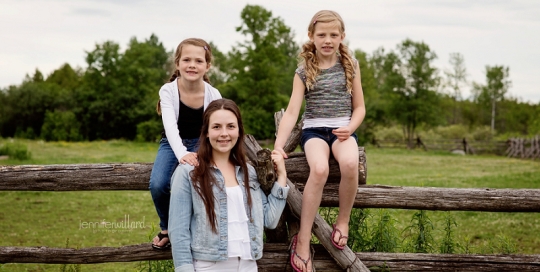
{"type": "Point", "coordinates": [328, 78]}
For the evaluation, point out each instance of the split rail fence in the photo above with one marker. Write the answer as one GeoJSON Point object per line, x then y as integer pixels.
{"type": "Point", "coordinates": [135, 176]}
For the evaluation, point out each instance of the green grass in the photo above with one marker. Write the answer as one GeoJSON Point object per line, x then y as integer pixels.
{"type": "Point", "coordinates": [50, 218]}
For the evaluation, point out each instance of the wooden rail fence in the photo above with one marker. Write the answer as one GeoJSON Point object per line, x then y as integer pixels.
{"type": "Point", "coordinates": [467, 146]}
{"type": "Point", "coordinates": [132, 176]}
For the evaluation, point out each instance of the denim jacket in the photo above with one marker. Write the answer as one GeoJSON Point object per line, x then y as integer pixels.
{"type": "Point", "coordinates": [189, 230]}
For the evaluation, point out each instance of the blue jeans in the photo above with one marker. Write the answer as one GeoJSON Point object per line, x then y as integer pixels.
{"type": "Point", "coordinates": [160, 178]}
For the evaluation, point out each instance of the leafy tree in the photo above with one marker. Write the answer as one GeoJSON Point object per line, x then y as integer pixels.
{"type": "Point", "coordinates": [144, 68]}
{"type": "Point", "coordinates": [413, 89]}
{"type": "Point", "coordinates": [534, 122]}
{"type": "Point", "coordinates": [66, 77]}
{"type": "Point", "coordinates": [259, 68]}
{"type": "Point", "coordinates": [456, 77]}
{"type": "Point", "coordinates": [497, 85]}
{"type": "Point", "coordinates": [99, 97]}
{"type": "Point", "coordinates": [120, 90]}
{"type": "Point", "coordinates": [60, 126]}
{"type": "Point", "coordinates": [375, 104]}
{"type": "Point", "coordinates": [218, 71]}
{"type": "Point", "coordinates": [24, 108]}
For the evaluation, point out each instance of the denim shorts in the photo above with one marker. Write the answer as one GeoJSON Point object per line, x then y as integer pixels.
{"type": "Point", "coordinates": [324, 133]}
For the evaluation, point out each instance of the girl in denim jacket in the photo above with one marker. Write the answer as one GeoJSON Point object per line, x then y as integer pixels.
{"type": "Point", "coordinates": [218, 210]}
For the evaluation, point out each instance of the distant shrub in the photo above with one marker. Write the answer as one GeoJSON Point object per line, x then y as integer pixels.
{"type": "Point", "coordinates": [60, 126]}
{"type": "Point", "coordinates": [149, 131]}
{"type": "Point", "coordinates": [25, 134]}
{"type": "Point", "coordinates": [482, 134]}
{"type": "Point", "coordinates": [428, 135]}
{"type": "Point", "coordinates": [452, 132]}
{"type": "Point", "coordinates": [15, 151]}
{"type": "Point", "coordinates": [389, 133]}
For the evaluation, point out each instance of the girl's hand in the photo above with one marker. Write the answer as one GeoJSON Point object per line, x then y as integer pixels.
{"type": "Point", "coordinates": [190, 158]}
{"type": "Point", "coordinates": [342, 133]}
{"type": "Point", "coordinates": [279, 165]}
{"type": "Point", "coordinates": [280, 151]}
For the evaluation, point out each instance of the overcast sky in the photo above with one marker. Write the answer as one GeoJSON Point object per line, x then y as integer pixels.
{"type": "Point", "coordinates": [45, 34]}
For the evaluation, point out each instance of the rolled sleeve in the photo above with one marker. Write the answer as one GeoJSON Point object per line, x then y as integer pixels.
{"type": "Point", "coordinates": [280, 192]}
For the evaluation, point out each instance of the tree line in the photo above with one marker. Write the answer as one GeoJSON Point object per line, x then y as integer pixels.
{"type": "Point", "coordinates": [115, 95]}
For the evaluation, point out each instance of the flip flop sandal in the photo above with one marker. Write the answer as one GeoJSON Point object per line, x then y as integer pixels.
{"type": "Point", "coordinates": [294, 253]}
{"type": "Point", "coordinates": [164, 247]}
{"type": "Point", "coordinates": [341, 236]}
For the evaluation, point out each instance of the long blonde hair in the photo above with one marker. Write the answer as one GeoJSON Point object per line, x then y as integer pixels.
{"type": "Point", "coordinates": [178, 54]}
{"type": "Point", "coordinates": [308, 55]}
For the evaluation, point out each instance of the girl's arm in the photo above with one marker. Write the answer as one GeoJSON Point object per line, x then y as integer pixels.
{"type": "Point", "coordinates": [275, 202]}
{"type": "Point", "coordinates": [288, 121]}
{"type": "Point", "coordinates": [180, 213]}
{"type": "Point", "coordinates": [358, 108]}
{"type": "Point", "coordinates": [168, 116]}
{"type": "Point", "coordinates": [279, 164]}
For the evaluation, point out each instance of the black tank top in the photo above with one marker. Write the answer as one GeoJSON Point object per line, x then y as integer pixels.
{"type": "Point", "coordinates": [190, 121]}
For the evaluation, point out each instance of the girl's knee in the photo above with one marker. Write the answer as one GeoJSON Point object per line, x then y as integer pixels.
{"type": "Point", "coordinates": [319, 171]}
{"type": "Point", "coordinates": [348, 166]}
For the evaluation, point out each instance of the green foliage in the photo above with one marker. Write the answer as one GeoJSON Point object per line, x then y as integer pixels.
{"type": "Point", "coordinates": [389, 133]}
{"type": "Point", "coordinates": [70, 267]}
{"type": "Point", "coordinates": [149, 131]}
{"type": "Point", "coordinates": [359, 239]}
{"type": "Point", "coordinates": [418, 235]}
{"type": "Point", "coordinates": [376, 109]}
{"type": "Point", "coordinates": [65, 77]}
{"type": "Point", "coordinates": [416, 102]}
{"type": "Point", "coordinates": [448, 244]}
{"type": "Point", "coordinates": [60, 126]}
{"type": "Point", "coordinates": [500, 244]}
{"type": "Point", "coordinates": [260, 68]}
{"type": "Point", "coordinates": [25, 106]}
{"type": "Point", "coordinates": [15, 150]}
{"type": "Point", "coordinates": [384, 234]}
{"type": "Point", "coordinates": [452, 132]}
{"type": "Point", "coordinates": [119, 90]}
{"type": "Point", "coordinates": [482, 133]}
{"type": "Point", "coordinates": [497, 85]}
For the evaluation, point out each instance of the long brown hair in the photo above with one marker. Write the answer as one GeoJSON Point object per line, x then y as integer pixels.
{"type": "Point", "coordinates": [203, 175]}
{"type": "Point", "coordinates": [308, 55]}
{"type": "Point", "coordinates": [178, 54]}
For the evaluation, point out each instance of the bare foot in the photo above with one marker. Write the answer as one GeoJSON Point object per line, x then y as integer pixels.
{"type": "Point", "coordinates": [163, 241]}
{"type": "Point", "coordinates": [341, 234]}
{"type": "Point", "coordinates": [302, 258]}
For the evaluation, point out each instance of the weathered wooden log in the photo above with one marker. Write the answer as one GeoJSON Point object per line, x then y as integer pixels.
{"type": "Point", "coordinates": [438, 199]}
{"type": "Point", "coordinates": [124, 176]}
{"type": "Point", "coordinates": [75, 177]}
{"type": "Point", "coordinates": [294, 139]}
{"type": "Point", "coordinates": [128, 177]}
{"type": "Point", "coordinates": [275, 258]}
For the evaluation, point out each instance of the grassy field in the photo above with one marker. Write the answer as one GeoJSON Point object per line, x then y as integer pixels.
{"type": "Point", "coordinates": [54, 219]}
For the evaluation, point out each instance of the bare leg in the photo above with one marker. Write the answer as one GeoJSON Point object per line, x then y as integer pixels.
{"type": "Point", "coordinates": [346, 154]}
{"type": "Point", "coordinates": [317, 155]}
